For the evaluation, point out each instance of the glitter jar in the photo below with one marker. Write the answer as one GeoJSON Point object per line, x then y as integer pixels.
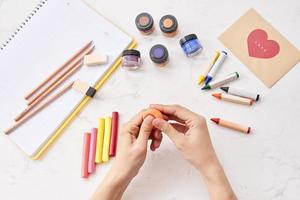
{"type": "Point", "coordinates": [168, 25]}
{"type": "Point", "coordinates": [159, 55]}
{"type": "Point", "coordinates": [131, 59]}
{"type": "Point", "coordinates": [144, 23]}
{"type": "Point", "coordinates": [190, 45]}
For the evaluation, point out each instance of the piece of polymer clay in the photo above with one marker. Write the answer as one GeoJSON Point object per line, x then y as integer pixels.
{"type": "Point", "coordinates": [83, 87]}
{"type": "Point", "coordinates": [95, 59]}
{"type": "Point", "coordinates": [154, 112]}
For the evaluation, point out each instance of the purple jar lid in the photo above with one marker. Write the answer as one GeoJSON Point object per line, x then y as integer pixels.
{"type": "Point", "coordinates": [159, 54]}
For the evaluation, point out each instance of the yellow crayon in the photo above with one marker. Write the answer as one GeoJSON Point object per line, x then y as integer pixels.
{"type": "Point", "coordinates": [99, 145]}
{"type": "Point", "coordinates": [206, 71]}
{"type": "Point", "coordinates": [106, 140]}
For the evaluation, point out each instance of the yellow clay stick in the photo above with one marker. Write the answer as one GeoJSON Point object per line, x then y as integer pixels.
{"type": "Point", "coordinates": [106, 140]}
{"type": "Point", "coordinates": [99, 147]}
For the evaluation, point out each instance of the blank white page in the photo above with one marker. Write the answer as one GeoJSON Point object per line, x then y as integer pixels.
{"type": "Point", "coordinates": [56, 32]}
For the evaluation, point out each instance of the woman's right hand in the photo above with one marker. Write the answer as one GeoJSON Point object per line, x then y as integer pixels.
{"type": "Point", "coordinates": [191, 137]}
{"type": "Point", "coordinates": [189, 133]}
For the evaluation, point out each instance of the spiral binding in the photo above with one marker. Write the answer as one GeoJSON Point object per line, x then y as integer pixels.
{"type": "Point", "coordinates": [27, 19]}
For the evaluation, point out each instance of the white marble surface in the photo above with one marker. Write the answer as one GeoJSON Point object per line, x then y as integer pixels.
{"type": "Point", "coordinates": [263, 165]}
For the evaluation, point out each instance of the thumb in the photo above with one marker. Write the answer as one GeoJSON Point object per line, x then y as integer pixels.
{"type": "Point", "coordinates": [167, 128]}
{"type": "Point", "coordinates": [145, 130]}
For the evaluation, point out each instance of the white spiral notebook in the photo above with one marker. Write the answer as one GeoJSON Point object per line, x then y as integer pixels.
{"type": "Point", "coordinates": [52, 33]}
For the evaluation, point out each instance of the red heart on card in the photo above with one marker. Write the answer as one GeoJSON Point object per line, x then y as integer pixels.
{"type": "Point", "coordinates": [260, 47]}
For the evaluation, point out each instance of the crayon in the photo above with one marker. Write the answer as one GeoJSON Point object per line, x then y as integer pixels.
{"type": "Point", "coordinates": [217, 83]}
{"type": "Point", "coordinates": [93, 142]}
{"type": "Point", "coordinates": [100, 137]}
{"type": "Point", "coordinates": [233, 99]}
{"type": "Point", "coordinates": [215, 67]}
{"type": "Point", "coordinates": [231, 125]}
{"type": "Point", "coordinates": [85, 155]}
{"type": "Point", "coordinates": [106, 140]}
{"type": "Point", "coordinates": [114, 134]}
{"type": "Point", "coordinates": [207, 69]}
{"type": "Point", "coordinates": [241, 93]}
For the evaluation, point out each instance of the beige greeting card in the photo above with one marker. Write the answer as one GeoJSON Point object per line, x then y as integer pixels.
{"type": "Point", "coordinates": [260, 47]}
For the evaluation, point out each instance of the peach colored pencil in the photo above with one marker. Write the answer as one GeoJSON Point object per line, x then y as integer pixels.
{"type": "Point", "coordinates": [63, 66]}
{"type": "Point", "coordinates": [51, 89]}
{"type": "Point", "coordinates": [72, 64]}
{"type": "Point", "coordinates": [37, 101]}
{"type": "Point", "coordinates": [30, 115]}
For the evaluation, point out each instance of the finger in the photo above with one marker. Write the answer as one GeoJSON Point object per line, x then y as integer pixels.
{"type": "Point", "coordinates": [165, 117]}
{"type": "Point", "coordinates": [152, 145]}
{"type": "Point", "coordinates": [174, 110]}
{"type": "Point", "coordinates": [168, 129]}
{"type": "Point", "coordinates": [156, 134]}
{"type": "Point", "coordinates": [174, 118]}
{"type": "Point", "coordinates": [180, 128]}
{"type": "Point", "coordinates": [137, 119]}
{"type": "Point", "coordinates": [131, 129]}
{"type": "Point", "coordinates": [157, 142]}
{"type": "Point", "coordinates": [145, 130]}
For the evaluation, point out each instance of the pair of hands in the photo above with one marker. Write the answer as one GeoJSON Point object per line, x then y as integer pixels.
{"type": "Point", "coordinates": [189, 133]}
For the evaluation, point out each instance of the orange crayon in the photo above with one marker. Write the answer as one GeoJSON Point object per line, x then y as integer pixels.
{"type": "Point", "coordinates": [231, 125]}
{"type": "Point", "coordinates": [233, 99]}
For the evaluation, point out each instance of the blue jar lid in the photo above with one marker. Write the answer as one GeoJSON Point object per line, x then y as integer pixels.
{"type": "Point", "coordinates": [187, 38]}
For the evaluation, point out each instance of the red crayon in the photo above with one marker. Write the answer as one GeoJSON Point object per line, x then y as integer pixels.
{"type": "Point", "coordinates": [114, 134]}
{"type": "Point", "coordinates": [85, 155]}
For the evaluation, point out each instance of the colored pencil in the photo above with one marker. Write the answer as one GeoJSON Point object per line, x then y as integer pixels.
{"type": "Point", "coordinates": [231, 125]}
{"type": "Point", "coordinates": [100, 138]}
{"type": "Point", "coordinates": [85, 155]}
{"type": "Point", "coordinates": [63, 76]}
{"type": "Point", "coordinates": [58, 70]}
{"type": "Point", "coordinates": [38, 109]}
{"type": "Point", "coordinates": [208, 68]}
{"type": "Point", "coordinates": [233, 99]}
{"type": "Point", "coordinates": [114, 134]}
{"type": "Point", "coordinates": [106, 140]}
{"type": "Point", "coordinates": [37, 101]}
{"type": "Point", "coordinates": [241, 93]}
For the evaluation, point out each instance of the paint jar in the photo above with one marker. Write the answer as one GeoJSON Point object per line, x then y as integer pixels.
{"type": "Point", "coordinates": [190, 45]}
{"type": "Point", "coordinates": [131, 59]}
{"type": "Point", "coordinates": [168, 25]}
{"type": "Point", "coordinates": [159, 55]}
{"type": "Point", "coordinates": [144, 23]}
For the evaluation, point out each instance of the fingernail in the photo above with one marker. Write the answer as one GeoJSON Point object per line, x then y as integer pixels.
{"type": "Point", "coordinates": [149, 118]}
{"type": "Point", "coordinates": [157, 123]}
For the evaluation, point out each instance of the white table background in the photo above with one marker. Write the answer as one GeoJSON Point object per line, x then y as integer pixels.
{"type": "Point", "coordinates": [263, 165]}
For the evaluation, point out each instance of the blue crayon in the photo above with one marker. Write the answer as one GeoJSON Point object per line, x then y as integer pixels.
{"type": "Point", "coordinates": [215, 67]}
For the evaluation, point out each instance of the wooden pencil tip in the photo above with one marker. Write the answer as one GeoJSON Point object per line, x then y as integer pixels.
{"type": "Point", "coordinates": [217, 95]}
{"type": "Point", "coordinates": [249, 129]}
{"type": "Point", "coordinates": [216, 120]}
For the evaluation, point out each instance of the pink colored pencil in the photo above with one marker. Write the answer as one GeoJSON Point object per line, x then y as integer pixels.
{"type": "Point", "coordinates": [114, 134]}
{"type": "Point", "coordinates": [92, 165]}
{"type": "Point", "coordinates": [85, 155]}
